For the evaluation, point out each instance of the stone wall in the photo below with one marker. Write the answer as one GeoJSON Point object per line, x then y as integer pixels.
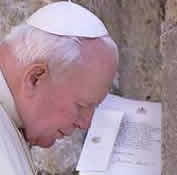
{"type": "Point", "coordinates": [144, 74]}
{"type": "Point", "coordinates": [169, 91]}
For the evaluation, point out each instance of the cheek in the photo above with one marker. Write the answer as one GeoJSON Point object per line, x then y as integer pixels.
{"type": "Point", "coordinates": [59, 111]}
{"type": "Point", "coordinates": [39, 119]}
{"type": "Point", "coordinates": [63, 115]}
{"type": "Point", "coordinates": [47, 115]}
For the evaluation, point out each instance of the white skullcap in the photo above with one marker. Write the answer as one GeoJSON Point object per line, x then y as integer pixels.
{"type": "Point", "coordinates": [68, 19]}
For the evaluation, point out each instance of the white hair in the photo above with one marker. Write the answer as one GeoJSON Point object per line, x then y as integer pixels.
{"type": "Point", "coordinates": [29, 44]}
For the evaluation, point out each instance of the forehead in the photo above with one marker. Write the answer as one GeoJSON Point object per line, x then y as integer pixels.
{"type": "Point", "coordinates": [102, 50]}
{"type": "Point", "coordinates": [91, 78]}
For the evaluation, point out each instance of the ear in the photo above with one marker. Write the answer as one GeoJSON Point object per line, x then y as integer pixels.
{"type": "Point", "coordinates": [34, 77]}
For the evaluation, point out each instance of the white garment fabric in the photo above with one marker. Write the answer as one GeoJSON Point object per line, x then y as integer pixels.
{"type": "Point", "coordinates": [15, 158]}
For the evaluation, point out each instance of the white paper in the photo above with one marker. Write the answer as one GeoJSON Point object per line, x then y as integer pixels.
{"type": "Point", "coordinates": [104, 128]}
{"type": "Point", "coordinates": [137, 150]}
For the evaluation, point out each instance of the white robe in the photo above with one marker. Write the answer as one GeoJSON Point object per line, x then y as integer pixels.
{"type": "Point", "coordinates": [15, 158]}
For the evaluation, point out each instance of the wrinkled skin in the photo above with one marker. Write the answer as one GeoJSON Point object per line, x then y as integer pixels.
{"type": "Point", "coordinates": [53, 107]}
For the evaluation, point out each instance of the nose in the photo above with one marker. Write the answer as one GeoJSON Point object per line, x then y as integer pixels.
{"type": "Point", "coordinates": [85, 119]}
{"type": "Point", "coordinates": [85, 124]}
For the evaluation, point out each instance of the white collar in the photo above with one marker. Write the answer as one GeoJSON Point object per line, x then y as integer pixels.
{"type": "Point", "coordinates": [7, 101]}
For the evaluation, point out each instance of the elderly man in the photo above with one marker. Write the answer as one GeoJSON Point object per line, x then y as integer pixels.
{"type": "Point", "coordinates": [51, 80]}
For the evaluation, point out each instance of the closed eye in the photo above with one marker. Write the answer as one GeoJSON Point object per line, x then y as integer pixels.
{"type": "Point", "coordinates": [79, 105]}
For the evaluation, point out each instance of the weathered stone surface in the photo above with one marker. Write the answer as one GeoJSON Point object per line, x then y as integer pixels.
{"type": "Point", "coordinates": [140, 57]}
{"type": "Point", "coordinates": [169, 91]}
{"type": "Point", "coordinates": [171, 12]}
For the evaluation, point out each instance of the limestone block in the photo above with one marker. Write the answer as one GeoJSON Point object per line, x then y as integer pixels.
{"type": "Point", "coordinates": [169, 96]}
{"type": "Point", "coordinates": [140, 64]}
{"type": "Point", "coordinates": [171, 12]}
